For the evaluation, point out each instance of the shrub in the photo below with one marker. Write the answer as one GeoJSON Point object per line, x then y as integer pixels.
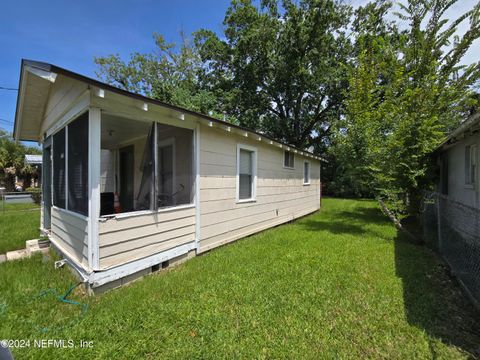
{"type": "Point", "coordinates": [36, 194]}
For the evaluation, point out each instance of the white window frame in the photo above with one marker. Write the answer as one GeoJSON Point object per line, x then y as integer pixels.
{"type": "Point", "coordinates": [283, 160]}
{"type": "Point", "coordinates": [309, 172]}
{"type": "Point", "coordinates": [472, 148]}
{"type": "Point", "coordinates": [254, 173]}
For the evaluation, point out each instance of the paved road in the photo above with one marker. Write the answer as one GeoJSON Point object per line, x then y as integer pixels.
{"type": "Point", "coordinates": [18, 199]}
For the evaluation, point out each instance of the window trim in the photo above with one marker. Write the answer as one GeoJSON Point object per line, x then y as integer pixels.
{"type": "Point", "coordinates": [288, 167]}
{"type": "Point", "coordinates": [469, 184]}
{"type": "Point", "coordinates": [309, 173]}
{"type": "Point", "coordinates": [254, 152]}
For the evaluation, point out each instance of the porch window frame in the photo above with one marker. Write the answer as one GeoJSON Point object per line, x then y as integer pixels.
{"type": "Point", "coordinates": [154, 209]}
{"type": "Point", "coordinates": [254, 152]}
{"type": "Point", "coordinates": [286, 166]}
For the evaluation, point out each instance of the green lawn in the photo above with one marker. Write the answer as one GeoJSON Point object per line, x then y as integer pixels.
{"type": "Point", "coordinates": [18, 223]}
{"type": "Point", "coordinates": [337, 284]}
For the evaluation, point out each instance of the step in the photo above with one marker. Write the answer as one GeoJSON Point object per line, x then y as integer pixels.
{"type": "Point", "coordinates": [17, 254]}
{"type": "Point", "coordinates": [36, 245]}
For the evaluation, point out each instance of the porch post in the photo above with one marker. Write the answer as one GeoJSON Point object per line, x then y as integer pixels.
{"type": "Point", "coordinates": [197, 185]}
{"type": "Point", "coordinates": [94, 138]}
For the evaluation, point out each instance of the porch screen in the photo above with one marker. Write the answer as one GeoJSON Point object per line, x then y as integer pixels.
{"type": "Point", "coordinates": [145, 191]}
{"type": "Point", "coordinates": [78, 165]}
{"type": "Point", "coordinates": [59, 169]}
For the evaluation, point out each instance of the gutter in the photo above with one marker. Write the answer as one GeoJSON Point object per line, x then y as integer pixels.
{"type": "Point", "coordinates": [464, 127]}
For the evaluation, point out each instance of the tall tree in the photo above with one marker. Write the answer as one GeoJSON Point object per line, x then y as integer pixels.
{"type": "Point", "coordinates": [281, 68]}
{"type": "Point", "coordinates": [411, 104]}
{"type": "Point", "coordinates": [360, 134]}
{"type": "Point", "coordinates": [169, 74]}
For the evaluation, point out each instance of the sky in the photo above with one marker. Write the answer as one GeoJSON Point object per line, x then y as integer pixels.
{"type": "Point", "coordinates": [70, 33]}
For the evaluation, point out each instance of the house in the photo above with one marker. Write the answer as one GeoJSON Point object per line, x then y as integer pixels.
{"type": "Point", "coordinates": [458, 158]}
{"type": "Point", "coordinates": [35, 161]}
{"type": "Point", "coordinates": [131, 184]}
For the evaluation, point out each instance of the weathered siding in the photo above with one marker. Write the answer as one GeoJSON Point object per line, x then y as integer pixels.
{"type": "Point", "coordinates": [69, 232]}
{"type": "Point", "coordinates": [134, 237]}
{"type": "Point", "coordinates": [281, 194]}
{"type": "Point", "coordinates": [457, 189]}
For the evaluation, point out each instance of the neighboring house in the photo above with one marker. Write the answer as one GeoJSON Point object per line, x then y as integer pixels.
{"type": "Point", "coordinates": [36, 162]}
{"type": "Point", "coordinates": [458, 158]}
{"type": "Point", "coordinates": [131, 183]}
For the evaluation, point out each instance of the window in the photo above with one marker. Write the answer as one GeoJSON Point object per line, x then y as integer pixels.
{"type": "Point", "coordinates": [78, 165]}
{"type": "Point", "coordinates": [246, 172]}
{"type": "Point", "coordinates": [288, 159]}
{"type": "Point", "coordinates": [175, 181]}
{"type": "Point", "coordinates": [59, 169]}
{"type": "Point", "coordinates": [470, 164]}
{"type": "Point", "coordinates": [145, 166]}
{"type": "Point", "coordinates": [306, 173]}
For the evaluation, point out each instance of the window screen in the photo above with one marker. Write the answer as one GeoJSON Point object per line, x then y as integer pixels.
{"type": "Point", "coordinates": [470, 164]}
{"type": "Point", "coordinates": [288, 159]}
{"type": "Point", "coordinates": [78, 165]}
{"type": "Point", "coordinates": [59, 169]}
{"type": "Point", "coordinates": [306, 173]}
{"type": "Point", "coordinates": [245, 174]}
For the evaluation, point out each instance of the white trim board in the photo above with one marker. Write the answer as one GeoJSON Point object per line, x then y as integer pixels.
{"type": "Point", "coordinates": [99, 278]}
{"type": "Point", "coordinates": [254, 173]}
{"type": "Point", "coordinates": [197, 186]}
{"type": "Point", "coordinates": [102, 277]}
{"type": "Point", "coordinates": [94, 159]}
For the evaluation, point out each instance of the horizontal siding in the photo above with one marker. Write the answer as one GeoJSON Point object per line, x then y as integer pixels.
{"type": "Point", "coordinates": [63, 93]}
{"type": "Point", "coordinates": [281, 194]}
{"type": "Point", "coordinates": [126, 239]}
{"type": "Point", "coordinates": [70, 233]}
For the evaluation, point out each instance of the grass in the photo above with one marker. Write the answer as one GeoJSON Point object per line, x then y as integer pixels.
{"type": "Point", "coordinates": [18, 223]}
{"type": "Point", "coordinates": [340, 283]}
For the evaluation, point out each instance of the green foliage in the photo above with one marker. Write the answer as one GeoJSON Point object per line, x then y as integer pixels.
{"type": "Point", "coordinates": [377, 95]}
{"type": "Point", "coordinates": [12, 160]}
{"type": "Point", "coordinates": [168, 74]}
{"type": "Point", "coordinates": [406, 91]}
{"type": "Point", "coordinates": [280, 69]}
{"type": "Point", "coordinates": [36, 194]}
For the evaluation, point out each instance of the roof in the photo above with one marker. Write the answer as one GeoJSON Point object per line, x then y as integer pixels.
{"type": "Point", "coordinates": [45, 68]}
{"type": "Point", "coordinates": [33, 159]}
{"type": "Point", "coordinates": [469, 125]}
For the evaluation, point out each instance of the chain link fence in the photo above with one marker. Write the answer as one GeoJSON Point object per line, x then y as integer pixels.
{"type": "Point", "coordinates": [453, 230]}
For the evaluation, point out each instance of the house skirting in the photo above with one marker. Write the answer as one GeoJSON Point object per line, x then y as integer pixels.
{"type": "Point", "coordinates": [98, 281]}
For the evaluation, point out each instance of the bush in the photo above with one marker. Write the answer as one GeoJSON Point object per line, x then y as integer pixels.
{"type": "Point", "coordinates": [36, 194]}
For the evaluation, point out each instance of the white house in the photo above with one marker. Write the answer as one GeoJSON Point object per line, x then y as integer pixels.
{"type": "Point", "coordinates": [458, 158]}
{"type": "Point", "coordinates": [131, 184]}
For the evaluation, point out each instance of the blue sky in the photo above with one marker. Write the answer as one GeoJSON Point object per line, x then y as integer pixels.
{"type": "Point", "coordinates": [70, 33]}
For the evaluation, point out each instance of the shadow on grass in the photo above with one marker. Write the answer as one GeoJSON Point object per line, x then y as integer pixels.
{"type": "Point", "coordinates": [332, 226]}
{"type": "Point", "coordinates": [347, 222]}
{"type": "Point", "coordinates": [433, 300]}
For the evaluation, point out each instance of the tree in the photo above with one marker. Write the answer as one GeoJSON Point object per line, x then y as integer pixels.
{"type": "Point", "coordinates": [358, 137]}
{"type": "Point", "coordinates": [12, 160]}
{"type": "Point", "coordinates": [169, 74]}
{"type": "Point", "coordinates": [411, 104]}
{"type": "Point", "coordinates": [281, 69]}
